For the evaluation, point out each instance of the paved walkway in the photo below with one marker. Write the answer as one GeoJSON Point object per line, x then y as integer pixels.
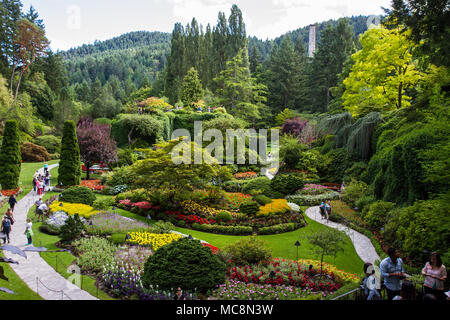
{"type": "Point", "coordinates": [363, 246]}
{"type": "Point", "coordinates": [34, 267]}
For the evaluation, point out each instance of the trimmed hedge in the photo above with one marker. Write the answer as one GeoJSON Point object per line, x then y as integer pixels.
{"type": "Point", "coordinates": [33, 153]}
{"type": "Point", "coordinates": [78, 194]}
{"type": "Point", "coordinates": [287, 183]}
{"type": "Point", "coordinates": [233, 230]}
{"type": "Point", "coordinates": [69, 171]}
{"type": "Point", "coordinates": [10, 157]}
{"type": "Point", "coordinates": [278, 228]}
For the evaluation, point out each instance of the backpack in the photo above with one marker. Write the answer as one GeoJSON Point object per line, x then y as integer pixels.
{"type": "Point", "coordinates": [6, 224]}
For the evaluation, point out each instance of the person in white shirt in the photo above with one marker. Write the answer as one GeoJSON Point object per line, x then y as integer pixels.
{"type": "Point", "coordinates": [371, 282]}
{"type": "Point", "coordinates": [42, 210]}
{"type": "Point", "coordinates": [29, 231]}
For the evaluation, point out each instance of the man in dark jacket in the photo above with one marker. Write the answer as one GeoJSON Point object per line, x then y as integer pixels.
{"type": "Point", "coordinates": [12, 201]}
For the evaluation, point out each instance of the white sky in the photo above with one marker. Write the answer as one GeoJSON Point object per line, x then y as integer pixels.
{"type": "Point", "coordinates": [71, 23]}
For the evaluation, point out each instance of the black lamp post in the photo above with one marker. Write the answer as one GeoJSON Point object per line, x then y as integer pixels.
{"type": "Point", "coordinates": [297, 244]}
{"type": "Point", "coordinates": [190, 237]}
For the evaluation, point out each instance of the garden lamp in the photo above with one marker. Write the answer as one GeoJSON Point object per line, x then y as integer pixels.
{"type": "Point", "coordinates": [190, 237]}
{"type": "Point", "coordinates": [148, 217]}
{"type": "Point", "coordinates": [127, 237]}
{"type": "Point", "coordinates": [272, 274]}
{"type": "Point", "coordinates": [114, 208]}
{"type": "Point", "coordinates": [61, 204]}
{"type": "Point", "coordinates": [297, 244]}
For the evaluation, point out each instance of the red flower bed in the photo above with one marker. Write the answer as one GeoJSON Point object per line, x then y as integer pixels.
{"type": "Point", "coordinates": [213, 249]}
{"type": "Point", "coordinates": [332, 186]}
{"type": "Point", "coordinates": [141, 205]}
{"type": "Point", "coordinates": [8, 193]}
{"type": "Point", "coordinates": [245, 175]}
{"type": "Point", "coordinates": [293, 275]}
{"type": "Point", "coordinates": [92, 184]}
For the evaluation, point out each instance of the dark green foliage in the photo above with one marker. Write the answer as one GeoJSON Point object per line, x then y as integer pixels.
{"type": "Point", "coordinates": [355, 171]}
{"type": "Point", "coordinates": [117, 238]}
{"type": "Point", "coordinates": [232, 230]}
{"type": "Point", "coordinates": [224, 216]}
{"type": "Point", "coordinates": [78, 194]}
{"type": "Point", "coordinates": [48, 229]}
{"type": "Point", "coordinates": [133, 129]}
{"type": "Point", "coordinates": [192, 90]}
{"type": "Point", "coordinates": [359, 143]}
{"type": "Point", "coordinates": [278, 228]}
{"type": "Point", "coordinates": [49, 142]}
{"type": "Point", "coordinates": [376, 214]}
{"type": "Point", "coordinates": [248, 251]}
{"type": "Point", "coordinates": [232, 186]}
{"type": "Point", "coordinates": [354, 191]}
{"type": "Point", "coordinates": [333, 167]}
{"type": "Point", "coordinates": [287, 183]}
{"type": "Point", "coordinates": [250, 208]}
{"type": "Point", "coordinates": [72, 229]}
{"type": "Point", "coordinates": [290, 152]}
{"type": "Point", "coordinates": [186, 264]}
{"type": "Point", "coordinates": [260, 185]}
{"type": "Point", "coordinates": [69, 166]}
{"type": "Point", "coordinates": [10, 156]}
{"type": "Point", "coordinates": [262, 199]}
{"type": "Point", "coordinates": [364, 201]}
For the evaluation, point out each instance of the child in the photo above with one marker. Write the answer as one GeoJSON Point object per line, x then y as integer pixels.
{"type": "Point", "coordinates": [29, 231]}
{"type": "Point", "coordinates": [370, 288]}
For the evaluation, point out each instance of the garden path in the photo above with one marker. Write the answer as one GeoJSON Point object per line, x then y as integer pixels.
{"type": "Point", "coordinates": [34, 270]}
{"type": "Point", "coordinates": [363, 246]}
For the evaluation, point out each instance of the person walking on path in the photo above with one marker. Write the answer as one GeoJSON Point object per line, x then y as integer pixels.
{"type": "Point", "coordinates": [328, 210]}
{"type": "Point", "coordinates": [371, 283]}
{"type": "Point", "coordinates": [29, 231]}
{"type": "Point", "coordinates": [391, 269]}
{"type": "Point", "coordinates": [41, 187]}
{"type": "Point", "coordinates": [45, 168]}
{"type": "Point", "coordinates": [47, 181]}
{"type": "Point", "coordinates": [435, 276]}
{"type": "Point", "coordinates": [34, 183]}
{"type": "Point", "coordinates": [322, 209]}
{"type": "Point", "coordinates": [6, 228]}
{"type": "Point", "coordinates": [37, 203]}
{"type": "Point", "coordinates": [12, 201]}
{"type": "Point", "coordinates": [10, 215]}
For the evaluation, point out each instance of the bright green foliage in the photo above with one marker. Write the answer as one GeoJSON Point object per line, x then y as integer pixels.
{"type": "Point", "coordinates": [327, 243]}
{"type": "Point", "coordinates": [94, 253]}
{"type": "Point", "coordinates": [69, 171]}
{"type": "Point", "coordinates": [283, 116]}
{"type": "Point", "coordinates": [10, 156]}
{"type": "Point", "coordinates": [224, 216]}
{"type": "Point", "coordinates": [287, 183]}
{"type": "Point", "coordinates": [78, 194]}
{"type": "Point", "coordinates": [354, 191]}
{"type": "Point", "coordinates": [260, 185]}
{"type": "Point", "coordinates": [249, 208]}
{"type": "Point", "coordinates": [49, 142]}
{"type": "Point", "coordinates": [376, 214]}
{"type": "Point", "coordinates": [262, 199]}
{"type": "Point", "coordinates": [382, 73]}
{"type": "Point", "coordinates": [191, 90]}
{"type": "Point", "coordinates": [290, 151]}
{"type": "Point", "coordinates": [161, 169]}
{"type": "Point", "coordinates": [250, 250]}
{"type": "Point", "coordinates": [132, 129]}
{"type": "Point", "coordinates": [186, 264]}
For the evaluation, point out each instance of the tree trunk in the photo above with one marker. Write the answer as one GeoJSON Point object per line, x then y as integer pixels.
{"type": "Point", "coordinates": [400, 88]}
{"type": "Point", "coordinates": [88, 165]}
{"type": "Point", "coordinates": [13, 73]}
{"type": "Point", "coordinates": [18, 85]}
{"type": "Point", "coordinates": [129, 136]}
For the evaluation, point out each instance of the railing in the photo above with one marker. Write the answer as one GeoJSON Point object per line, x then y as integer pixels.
{"type": "Point", "coordinates": [57, 291]}
{"type": "Point", "coordinates": [358, 293]}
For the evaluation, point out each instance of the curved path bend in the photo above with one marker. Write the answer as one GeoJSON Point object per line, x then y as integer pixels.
{"type": "Point", "coordinates": [363, 246]}
{"type": "Point", "coordinates": [34, 267]}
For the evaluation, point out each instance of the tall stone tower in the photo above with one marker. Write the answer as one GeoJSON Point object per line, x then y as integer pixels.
{"type": "Point", "coordinates": [312, 40]}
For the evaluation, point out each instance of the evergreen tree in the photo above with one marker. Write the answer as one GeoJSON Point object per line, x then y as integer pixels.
{"type": "Point", "coordinates": [175, 65]}
{"type": "Point", "coordinates": [10, 156]}
{"type": "Point", "coordinates": [237, 37]}
{"type": "Point", "coordinates": [220, 41]}
{"type": "Point", "coordinates": [69, 165]}
{"type": "Point", "coordinates": [192, 90]}
{"type": "Point", "coordinates": [255, 60]}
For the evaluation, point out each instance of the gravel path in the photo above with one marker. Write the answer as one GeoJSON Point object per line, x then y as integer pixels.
{"type": "Point", "coordinates": [362, 244]}
{"type": "Point", "coordinates": [33, 270]}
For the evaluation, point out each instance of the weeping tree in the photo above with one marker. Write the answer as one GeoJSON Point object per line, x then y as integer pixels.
{"type": "Point", "coordinates": [359, 143]}
{"type": "Point", "coordinates": [332, 123]}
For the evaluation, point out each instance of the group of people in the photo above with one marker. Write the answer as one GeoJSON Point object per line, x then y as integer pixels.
{"type": "Point", "coordinates": [396, 282]}
{"type": "Point", "coordinates": [41, 182]}
{"type": "Point", "coordinates": [325, 210]}
{"type": "Point", "coordinates": [8, 220]}
{"type": "Point", "coordinates": [41, 209]}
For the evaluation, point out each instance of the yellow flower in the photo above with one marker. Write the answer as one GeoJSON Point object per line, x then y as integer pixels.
{"type": "Point", "coordinates": [82, 210]}
{"type": "Point", "coordinates": [154, 240]}
{"type": "Point", "coordinates": [340, 274]}
{"type": "Point", "coordinates": [277, 206]}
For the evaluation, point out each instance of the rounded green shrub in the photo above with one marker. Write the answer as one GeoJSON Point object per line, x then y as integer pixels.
{"type": "Point", "coordinates": [377, 214]}
{"type": "Point", "coordinates": [259, 185]}
{"type": "Point", "coordinates": [249, 208]}
{"type": "Point", "coordinates": [10, 156]}
{"type": "Point", "coordinates": [78, 194]}
{"type": "Point", "coordinates": [249, 250]}
{"type": "Point", "coordinates": [184, 263]}
{"type": "Point", "coordinates": [181, 223]}
{"type": "Point", "coordinates": [262, 199]}
{"type": "Point", "coordinates": [49, 142]}
{"type": "Point", "coordinates": [287, 183]}
{"type": "Point", "coordinates": [224, 216]}
{"type": "Point", "coordinates": [103, 203]}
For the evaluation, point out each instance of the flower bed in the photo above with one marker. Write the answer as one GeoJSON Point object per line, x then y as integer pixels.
{"type": "Point", "coordinates": [313, 189]}
{"type": "Point", "coordinates": [109, 223]}
{"type": "Point", "coordinates": [331, 269]}
{"type": "Point", "coordinates": [276, 207]}
{"type": "Point", "coordinates": [93, 184]}
{"type": "Point", "coordinates": [154, 240]}
{"type": "Point", "coordinates": [235, 199]}
{"type": "Point", "coordinates": [82, 210]}
{"type": "Point", "coordinates": [236, 290]}
{"type": "Point", "coordinates": [213, 249]}
{"type": "Point", "coordinates": [313, 200]}
{"type": "Point", "coordinates": [8, 193]}
{"type": "Point", "coordinates": [245, 175]}
{"type": "Point", "coordinates": [286, 272]}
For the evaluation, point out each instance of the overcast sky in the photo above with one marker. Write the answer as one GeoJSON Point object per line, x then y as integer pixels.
{"type": "Point", "coordinates": [71, 23]}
